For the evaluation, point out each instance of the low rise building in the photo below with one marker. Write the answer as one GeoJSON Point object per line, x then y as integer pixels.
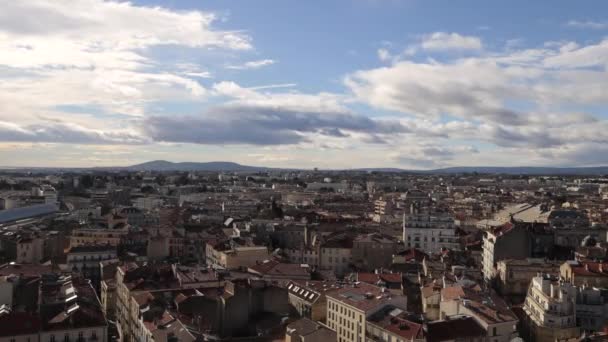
{"type": "Point", "coordinates": [309, 298]}
{"type": "Point", "coordinates": [235, 253]}
{"type": "Point", "coordinates": [393, 324]}
{"type": "Point", "coordinates": [306, 330]}
{"type": "Point", "coordinates": [279, 272]}
{"type": "Point", "coordinates": [488, 310]}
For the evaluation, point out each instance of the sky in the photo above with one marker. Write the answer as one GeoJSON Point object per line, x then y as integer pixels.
{"type": "Point", "coordinates": [414, 84]}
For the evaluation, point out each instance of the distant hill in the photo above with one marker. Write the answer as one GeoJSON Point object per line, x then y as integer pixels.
{"type": "Point", "coordinates": [163, 165]}
{"type": "Point", "coordinates": [525, 170]}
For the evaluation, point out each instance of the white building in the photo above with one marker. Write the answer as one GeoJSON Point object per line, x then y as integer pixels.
{"type": "Point", "coordinates": [429, 231]}
{"type": "Point", "coordinates": [550, 309]}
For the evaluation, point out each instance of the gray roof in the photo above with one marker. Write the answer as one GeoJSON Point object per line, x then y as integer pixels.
{"type": "Point", "coordinates": [22, 213]}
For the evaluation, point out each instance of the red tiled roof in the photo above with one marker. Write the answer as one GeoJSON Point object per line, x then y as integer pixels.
{"type": "Point", "coordinates": [373, 278]}
{"type": "Point", "coordinates": [273, 267]}
{"type": "Point", "coordinates": [399, 325]}
{"type": "Point", "coordinates": [586, 268]}
{"type": "Point", "coordinates": [413, 254]}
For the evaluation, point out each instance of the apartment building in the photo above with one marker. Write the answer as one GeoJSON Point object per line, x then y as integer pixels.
{"type": "Point", "coordinates": [336, 253]}
{"type": "Point", "coordinates": [85, 259]}
{"type": "Point", "coordinates": [349, 307]}
{"type": "Point", "coordinates": [550, 308]}
{"type": "Point", "coordinates": [508, 241]}
{"type": "Point", "coordinates": [22, 247]}
{"type": "Point", "coordinates": [514, 275]}
{"type": "Point", "coordinates": [591, 308]}
{"type": "Point", "coordinates": [375, 250]}
{"type": "Point", "coordinates": [87, 236]}
{"type": "Point", "coordinates": [429, 231]}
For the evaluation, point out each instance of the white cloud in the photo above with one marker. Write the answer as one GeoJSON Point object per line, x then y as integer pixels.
{"type": "Point", "coordinates": [450, 41]}
{"type": "Point", "coordinates": [588, 24]}
{"type": "Point", "coordinates": [513, 99]}
{"type": "Point", "coordinates": [97, 54]}
{"type": "Point", "coordinates": [384, 55]}
{"type": "Point", "coordinates": [320, 102]}
{"type": "Point", "coordinates": [252, 64]}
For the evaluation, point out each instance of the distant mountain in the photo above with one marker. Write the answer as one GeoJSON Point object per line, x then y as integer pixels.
{"type": "Point", "coordinates": [524, 170]}
{"type": "Point", "coordinates": [163, 165]}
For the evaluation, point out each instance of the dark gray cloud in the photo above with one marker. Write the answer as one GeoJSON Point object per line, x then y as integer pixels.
{"type": "Point", "coordinates": [262, 126]}
{"type": "Point", "coordinates": [512, 137]}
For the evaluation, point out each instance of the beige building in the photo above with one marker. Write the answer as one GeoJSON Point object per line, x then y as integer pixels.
{"type": "Point", "coordinates": [550, 310]}
{"type": "Point", "coordinates": [82, 237]}
{"type": "Point", "coordinates": [514, 275]}
{"type": "Point", "coordinates": [336, 254]}
{"type": "Point", "coordinates": [585, 273]}
{"type": "Point", "coordinates": [235, 253]}
{"type": "Point", "coordinates": [349, 307]}
{"type": "Point", "coordinates": [431, 300]}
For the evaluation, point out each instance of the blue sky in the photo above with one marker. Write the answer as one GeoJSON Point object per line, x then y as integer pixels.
{"type": "Point", "coordinates": [331, 84]}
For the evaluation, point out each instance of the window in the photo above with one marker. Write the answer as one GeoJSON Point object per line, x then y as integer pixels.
{"type": "Point", "coordinates": [52, 338]}
{"type": "Point", "coordinates": [66, 337]}
{"type": "Point", "coordinates": [494, 331]}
